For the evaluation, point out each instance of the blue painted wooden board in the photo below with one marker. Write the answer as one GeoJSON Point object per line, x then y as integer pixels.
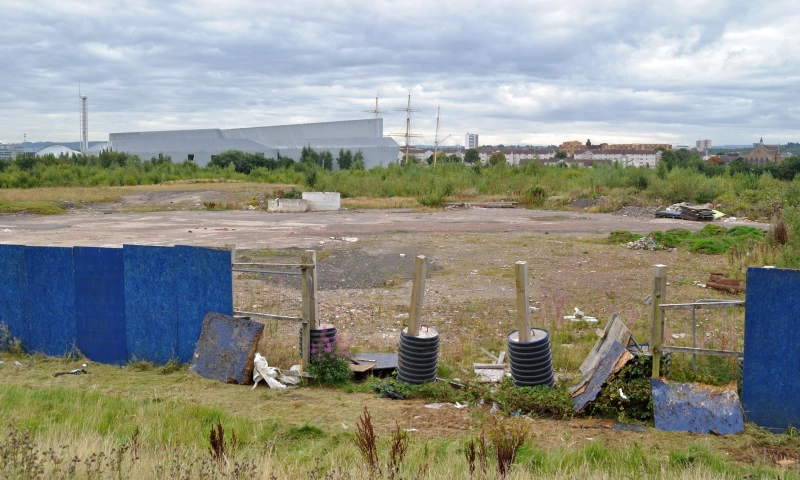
{"type": "Point", "coordinates": [203, 285]}
{"type": "Point", "coordinates": [14, 293]}
{"type": "Point", "coordinates": [770, 388]}
{"type": "Point", "coordinates": [51, 299]}
{"type": "Point", "coordinates": [151, 319]}
{"type": "Point", "coordinates": [696, 408]}
{"type": "Point", "coordinates": [100, 304]}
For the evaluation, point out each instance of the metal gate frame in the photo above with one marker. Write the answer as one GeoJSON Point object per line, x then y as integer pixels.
{"type": "Point", "coordinates": [307, 269]}
{"type": "Point", "coordinates": [658, 319]}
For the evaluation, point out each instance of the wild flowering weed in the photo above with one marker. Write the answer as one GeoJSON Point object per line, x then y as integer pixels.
{"type": "Point", "coordinates": [329, 361]}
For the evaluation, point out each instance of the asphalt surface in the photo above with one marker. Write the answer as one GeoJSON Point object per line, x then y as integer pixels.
{"type": "Point", "coordinates": [259, 229]}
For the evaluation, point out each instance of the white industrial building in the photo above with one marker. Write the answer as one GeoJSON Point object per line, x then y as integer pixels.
{"type": "Point", "coordinates": [282, 140]}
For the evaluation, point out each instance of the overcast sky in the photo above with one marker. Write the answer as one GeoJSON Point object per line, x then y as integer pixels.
{"type": "Point", "coordinates": [538, 72]}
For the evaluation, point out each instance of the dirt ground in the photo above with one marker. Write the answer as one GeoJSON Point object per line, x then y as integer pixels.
{"type": "Point", "coordinates": [365, 264]}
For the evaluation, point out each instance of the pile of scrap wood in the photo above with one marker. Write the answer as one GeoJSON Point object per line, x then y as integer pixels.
{"type": "Point", "coordinates": [695, 212]}
{"type": "Point", "coordinates": [608, 356]}
{"type": "Point", "coordinates": [719, 281]}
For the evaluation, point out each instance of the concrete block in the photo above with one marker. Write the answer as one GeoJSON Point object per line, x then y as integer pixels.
{"type": "Point", "coordinates": [323, 201]}
{"type": "Point", "coordinates": [287, 205]}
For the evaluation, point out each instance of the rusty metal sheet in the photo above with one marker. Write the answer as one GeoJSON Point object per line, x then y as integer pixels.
{"type": "Point", "coordinates": [696, 408]}
{"type": "Point", "coordinates": [606, 362]}
{"type": "Point", "coordinates": [226, 348]}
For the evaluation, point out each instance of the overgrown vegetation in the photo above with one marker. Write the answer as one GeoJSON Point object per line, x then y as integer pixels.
{"type": "Point", "coordinates": [738, 189]}
{"type": "Point", "coordinates": [711, 239]}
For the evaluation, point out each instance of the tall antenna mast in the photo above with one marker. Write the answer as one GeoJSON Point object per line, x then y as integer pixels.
{"type": "Point", "coordinates": [436, 141]}
{"type": "Point", "coordinates": [84, 120]}
{"type": "Point", "coordinates": [377, 112]}
{"type": "Point", "coordinates": [407, 134]}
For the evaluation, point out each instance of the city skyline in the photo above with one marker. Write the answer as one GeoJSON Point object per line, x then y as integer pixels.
{"type": "Point", "coordinates": [514, 72]}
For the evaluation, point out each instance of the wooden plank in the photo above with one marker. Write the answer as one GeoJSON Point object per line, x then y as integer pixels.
{"type": "Point", "coordinates": [417, 295]}
{"type": "Point", "coordinates": [268, 315]}
{"type": "Point", "coordinates": [287, 265]}
{"type": "Point", "coordinates": [361, 368]}
{"type": "Point", "coordinates": [488, 354]}
{"type": "Point", "coordinates": [523, 308]}
{"type": "Point", "coordinates": [615, 331]}
{"type": "Point", "coordinates": [700, 351]}
{"type": "Point", "coordinates": [702, 306]}
{"type": "Point", "coordinates": [501, 358]}
{"type": "Point", "coordinates": [493, 366]}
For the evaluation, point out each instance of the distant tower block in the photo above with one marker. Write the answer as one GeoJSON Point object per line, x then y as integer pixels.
{"type": "Point", "coordinates": [84, 123]}
{"type": "Point", "coordinates": [471, 140]}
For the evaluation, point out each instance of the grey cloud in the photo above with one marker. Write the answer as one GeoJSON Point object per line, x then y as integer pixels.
{"type": "Point", "coordinates": [506, 69]}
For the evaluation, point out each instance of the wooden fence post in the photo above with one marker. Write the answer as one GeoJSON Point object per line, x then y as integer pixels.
{"type": "Point", "coordinates": [523, 308]}
{"type": "Point", "coordinates": [305, 326]}
{"type": "Point", "coordinates": [232, 248]}
{"type": "Point", "coordinates": [657, 316]}
{"type": "Point", "coordinates": [310, 258]}
{"type": "Point", "coordinates": [417, 295]}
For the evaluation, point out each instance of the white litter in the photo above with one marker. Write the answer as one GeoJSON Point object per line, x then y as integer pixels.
{"type": "Point", "coordinates": [461, 405]}
{"type": "Point", "coordinates": [578, 313]}
{"type": "Point", "coordinates": [434, 405]}
{"type": "Point", "coordinates": [410, 430]}
{"type": "Point", "coordinates": [622, 394]}
{"type": "Point", "coordinates": [262, 371]}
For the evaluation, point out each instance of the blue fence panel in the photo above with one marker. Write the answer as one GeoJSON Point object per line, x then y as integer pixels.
{"type": "Point", "coordinates": [51, 299]}
{"type": "Point", "coordinates": [203, 285]}
{"type": "Point", "coordinates": [100, 304]}
{"type": "Point", "coordinates": [770, 390]}
{"type": "Point", "coordinates": [14, 293]}
{"type": "Point", "coordinates": [150, 303]}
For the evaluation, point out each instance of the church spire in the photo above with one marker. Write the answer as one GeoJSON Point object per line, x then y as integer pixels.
{"type": "Point", "coordinates": [762, 140]}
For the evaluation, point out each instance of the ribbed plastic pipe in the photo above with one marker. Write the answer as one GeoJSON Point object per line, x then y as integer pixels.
{"type": "Point", "coordinates": [531, 362]}
{"type": "Point", "coordinates": [316, 335]}
{"type": "Point", "coordinates": [418, 357]}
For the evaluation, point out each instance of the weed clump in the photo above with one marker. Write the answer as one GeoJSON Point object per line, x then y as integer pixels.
{"type": "Point", "coordinates": [622, 236]}
{"type": "Point", "coordinates": [329, 361]}
{"type": "Point", "coordinates": [9, 343]}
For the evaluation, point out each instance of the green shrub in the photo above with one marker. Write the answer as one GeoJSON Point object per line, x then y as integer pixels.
{"type": "Point", "coordinates": [622, 236]}
{"type": "Point", "coordinates": [541, 400]}
{"type": "Point", "coordinates": [535, 195]}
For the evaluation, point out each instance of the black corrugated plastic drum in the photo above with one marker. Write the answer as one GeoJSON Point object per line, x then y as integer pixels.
{"type": "Point", "coordinates": [531, 362]}
{"type": "Point", "coordinates": [316, 335]}
{"type": "Point", "coordinates": [418, 357]}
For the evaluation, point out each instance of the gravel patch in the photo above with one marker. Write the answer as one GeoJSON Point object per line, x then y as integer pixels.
{"type": "Point", "coordinates": [638, 212]}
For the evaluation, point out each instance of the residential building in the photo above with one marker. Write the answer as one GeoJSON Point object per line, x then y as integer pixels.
{"type": "Point", "coordinates": [471, 141]}
{"type": "Point", "coordinates": [630, 157]}
{"type": "Point", "coordinates": [703, 145]}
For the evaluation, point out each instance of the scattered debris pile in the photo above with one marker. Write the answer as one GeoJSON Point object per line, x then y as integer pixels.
{"type": "Point", "coordinates": [607, 356]}
{"type": "Point", "coordinates": [685, 211]}
{"type": "Point", "coordinates": [631, 211]}
{"type": "Point", "coordinates": [645, 243]}
{"type": "Point", "coordinates": [719, 281]}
